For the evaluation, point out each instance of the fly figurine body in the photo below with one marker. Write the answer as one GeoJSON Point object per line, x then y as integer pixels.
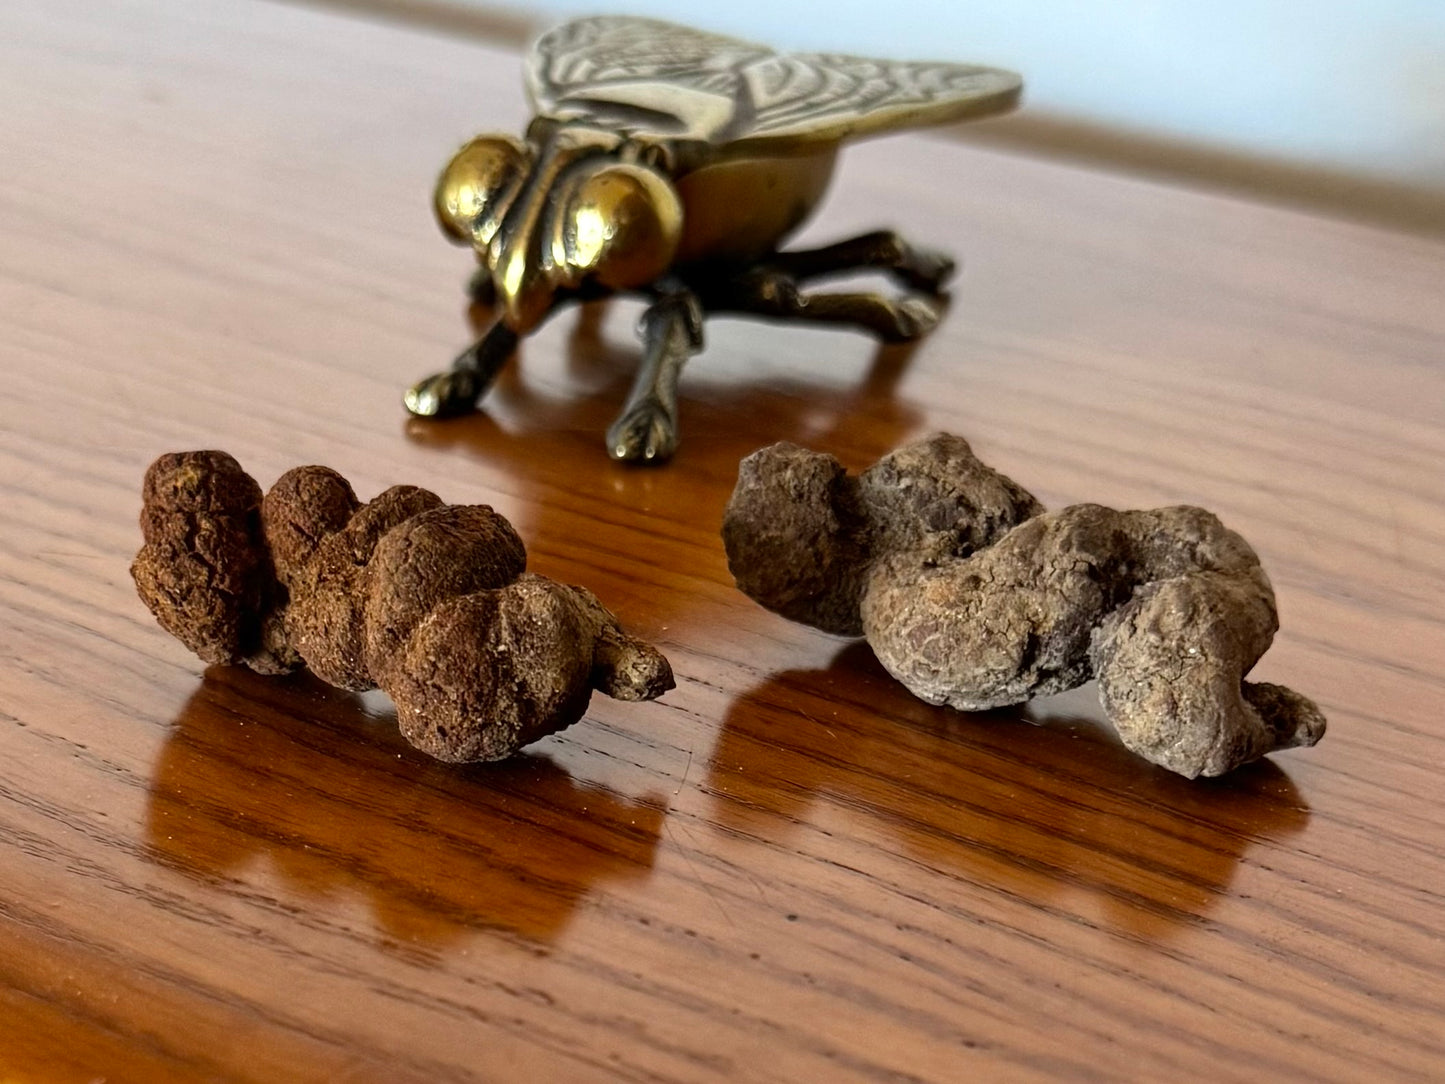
{"type": "Point", "coordinates": [672, 163]}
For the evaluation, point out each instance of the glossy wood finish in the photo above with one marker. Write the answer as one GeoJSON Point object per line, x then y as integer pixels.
{"type": "Point", "coordinates": [216, 233]}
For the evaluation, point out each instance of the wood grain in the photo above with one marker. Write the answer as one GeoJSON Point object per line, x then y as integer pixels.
{"type": "Point", "coordinates": [216, 234]}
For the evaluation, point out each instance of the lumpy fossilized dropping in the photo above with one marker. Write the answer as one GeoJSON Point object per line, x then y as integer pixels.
{"type": "Point", "coordinates": [973, 596]}
{"type": "Point", "coordinates": [429, 602]}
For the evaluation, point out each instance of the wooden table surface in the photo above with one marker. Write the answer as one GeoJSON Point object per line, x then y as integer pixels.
{"type": "Point", "coordinates": [215, 232]}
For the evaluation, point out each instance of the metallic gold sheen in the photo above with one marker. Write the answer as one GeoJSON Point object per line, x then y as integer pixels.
{"type": "Point", "coordinates": [622, 227]}
{"type": "Point", "coordinates": [477, 186]}
{"type": "Point", "coordinates": [675, 163]}
{"type": "Point", "coordinates": [741, 207]}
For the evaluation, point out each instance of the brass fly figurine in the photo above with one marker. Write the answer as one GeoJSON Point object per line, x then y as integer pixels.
{"type": "Point", "coordinates": [671, 163]}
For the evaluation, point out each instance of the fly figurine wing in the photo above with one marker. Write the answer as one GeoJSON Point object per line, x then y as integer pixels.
{"type": "Point", "coordinates": [652, 79]}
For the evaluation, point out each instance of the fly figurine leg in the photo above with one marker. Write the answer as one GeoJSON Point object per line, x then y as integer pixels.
{"type": "Point", "coordinates": [445, 395]}
{"type": "Point", "coordinates": [921, 269]}
{"type": "Point", "coordinates": [769, 292]}
{"type": "Point", "coordinates": [774, 287]}
{"type": "Point", "coordinates": [481, 289]}
{"type": "Point", "coordinates": [671, 330]}
{"type": "Point", "coordinates": [671, 327]}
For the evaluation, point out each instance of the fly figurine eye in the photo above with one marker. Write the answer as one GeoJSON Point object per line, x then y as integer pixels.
{"type": "Point", "coordinates": [478, 185]}
{"type": "Point", "coordinates": [672, 163]}
{"type": "Point", "coordinates": [621, 226]}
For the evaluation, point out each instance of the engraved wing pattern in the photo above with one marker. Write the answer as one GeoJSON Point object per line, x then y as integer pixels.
{"type": "Point", "coordinates": [648, 77]}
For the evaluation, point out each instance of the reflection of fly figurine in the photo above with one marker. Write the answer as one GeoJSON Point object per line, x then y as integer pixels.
{"type": "Point", "coordinates": [671, 163]}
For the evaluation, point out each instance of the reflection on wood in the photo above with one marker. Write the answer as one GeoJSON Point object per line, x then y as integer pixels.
{"type": "Point", "coordinates": [255, 767]}
{"type": "Point", "coordinates": [1082, 818]}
